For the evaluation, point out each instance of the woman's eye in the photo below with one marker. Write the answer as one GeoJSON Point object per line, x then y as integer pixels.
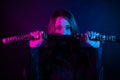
{"type": "Point", "coordinates": [67, 27]}
{"type": "Point", "coordinates": [58, 28]}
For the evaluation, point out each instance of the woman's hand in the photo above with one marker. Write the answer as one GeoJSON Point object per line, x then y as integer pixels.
{"type": "Point", "coordinates": [38, 35]}
{"type": "Point", "coordinates": [88, 39]}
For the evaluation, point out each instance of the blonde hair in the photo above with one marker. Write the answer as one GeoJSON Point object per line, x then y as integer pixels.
{"type": "Point", "coordinates": [68, 15]}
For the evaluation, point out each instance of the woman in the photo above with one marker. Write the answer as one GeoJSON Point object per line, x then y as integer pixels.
{"type": "Point", "coordinates": [65, 59]}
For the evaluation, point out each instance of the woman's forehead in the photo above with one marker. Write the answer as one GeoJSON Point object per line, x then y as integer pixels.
{"type": "Point", "coordinates": [61, 21]}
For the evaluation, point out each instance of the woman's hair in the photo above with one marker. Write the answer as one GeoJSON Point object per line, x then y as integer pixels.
{"type": "Point", "coordinates": [64, 13]}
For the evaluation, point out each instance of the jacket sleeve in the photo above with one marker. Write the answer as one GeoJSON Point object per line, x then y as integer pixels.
{"type": "Point", "coordinates": [95, 64]}
{"type": "Point", "coordinates": [34, 65]}
{"type": "Point", "coordinates": [99, 63]}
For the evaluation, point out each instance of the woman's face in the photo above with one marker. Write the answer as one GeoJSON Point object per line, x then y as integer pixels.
{"type": "Point", "coordinates": [62, 26]}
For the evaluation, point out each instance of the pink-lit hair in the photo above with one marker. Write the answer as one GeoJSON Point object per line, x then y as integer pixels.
{"type": "Point", "coordinates": [64, 13]}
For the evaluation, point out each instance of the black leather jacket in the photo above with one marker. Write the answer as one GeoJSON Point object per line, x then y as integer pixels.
{"type": "Point", "coordinates": [66, 60]}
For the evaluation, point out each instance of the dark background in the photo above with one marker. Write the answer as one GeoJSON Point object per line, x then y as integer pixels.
{"type": "Point", "coordinates": [18, 17]}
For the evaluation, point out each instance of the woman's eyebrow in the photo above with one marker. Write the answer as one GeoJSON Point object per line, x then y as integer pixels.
{"type": "Point", "coordinates": [57, 26]}
{"type": "Point", "coordinates": [67, 25]}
